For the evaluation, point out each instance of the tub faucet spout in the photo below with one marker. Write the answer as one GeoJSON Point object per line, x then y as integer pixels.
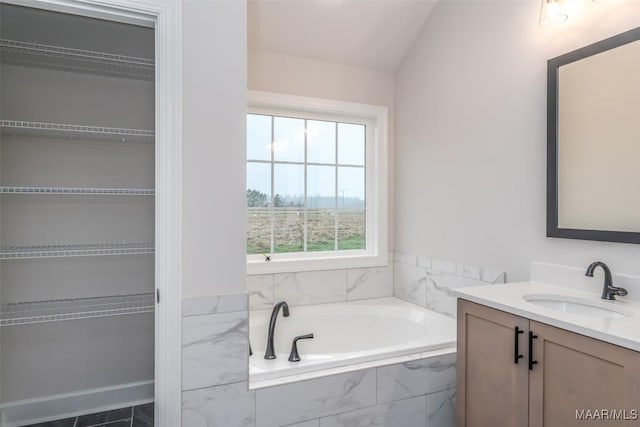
{"type": "Point", "coordinates": [270, 351]}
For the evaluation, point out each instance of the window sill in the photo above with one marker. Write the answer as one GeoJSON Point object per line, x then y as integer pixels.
{"type": "Point", "coordinates": [294, 265]}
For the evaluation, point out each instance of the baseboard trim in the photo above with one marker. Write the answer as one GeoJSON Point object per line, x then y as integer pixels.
{"type": "Point", "coordinates": [67, 405]}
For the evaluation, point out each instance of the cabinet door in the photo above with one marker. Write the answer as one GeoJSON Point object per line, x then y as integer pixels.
{"type": "Point", "coordinates": [576, 373]}
{"type": "Point", "coordinates": [492, 388]}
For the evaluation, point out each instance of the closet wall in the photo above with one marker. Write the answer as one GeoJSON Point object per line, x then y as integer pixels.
{"type": "Point", "coordinates": [77, 204]}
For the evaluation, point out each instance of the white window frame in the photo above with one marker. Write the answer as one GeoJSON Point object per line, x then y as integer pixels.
{"type": "Point", "coordinates": [376, 178]}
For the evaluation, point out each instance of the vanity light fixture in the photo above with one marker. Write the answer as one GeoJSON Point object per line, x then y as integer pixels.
{"type": "Point", "coordinates": [553, 12]}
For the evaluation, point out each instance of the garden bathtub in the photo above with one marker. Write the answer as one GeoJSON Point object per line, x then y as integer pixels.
{"type": "Point", "coordinates": [347, 334]}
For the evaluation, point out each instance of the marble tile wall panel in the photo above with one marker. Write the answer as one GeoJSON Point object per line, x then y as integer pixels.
{"type": "Point", "coordinates": [318, 287]}
{"type": "Point", "coordinates": [493, 276]}
{"type": "Point", "coordinates": [410, 283]}
{"type": "Point", "coordinates": [441, 409]}
{"type": "Point", "coordinates": [429, 282]}
{"type": "Point", "coordinates": [405, 258]}
{"type": "Point", "coordinates": [311, 287]}
{"type": "Point", "coordinates": [373, 282]}
{"type": "Point", "coordinates": [260, 289]}
{"type": "Point", "coordinates": [415, 378]}
{"type": "Point", "coordinates": [214, 349]}
{"type": "Point", "coordinates": [402, 413]}
{"type": "Point", "coordinates": [311, 399]}
{"type": "Point", "coordinates": [197, 306]}
{"type": "Point", "coordinates": [310, 423]}
{"type": "Point", "coordinates": [468, 271]}
{"type": "Point", "coordinates": [424, 262]}
{"type": "Point", "coordinates": [439, 291]}
{"type": "Point", "coordinates": [226, 405]}
{"type": "Point", "coordinates": [444, 266]}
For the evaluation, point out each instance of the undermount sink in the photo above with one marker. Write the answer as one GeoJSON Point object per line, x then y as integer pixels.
{"type": "Point", "coordinates": [575, 305]}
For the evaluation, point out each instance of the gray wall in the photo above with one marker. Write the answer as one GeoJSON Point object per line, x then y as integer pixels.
{"type": "Point", "coordinates": [471, 135]}
{"type": "Point", "coordinates": [61, 357]}
{"type": "Point", "coordinates": [214, 205]}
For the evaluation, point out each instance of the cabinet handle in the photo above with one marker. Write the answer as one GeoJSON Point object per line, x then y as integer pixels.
{"type": "Point", "coordinates": [516, 351]}
{"type": "Point", "coordinates": [531, 361]}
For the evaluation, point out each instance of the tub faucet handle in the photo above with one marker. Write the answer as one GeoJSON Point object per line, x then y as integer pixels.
{"type": "Point", "coordinates": [294, 356]}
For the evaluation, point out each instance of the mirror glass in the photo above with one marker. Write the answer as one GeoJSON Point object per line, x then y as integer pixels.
{"type": "Point", "coordinates": [594, 141]}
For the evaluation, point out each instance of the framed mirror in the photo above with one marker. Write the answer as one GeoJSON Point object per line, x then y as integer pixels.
{"type": "Point", "coordinates": [593, 141]}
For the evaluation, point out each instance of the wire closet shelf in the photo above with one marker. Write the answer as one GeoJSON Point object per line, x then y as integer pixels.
{"type": "Point", "coordinates": [24, 313]}
{"type": "Point", "coordinates": [78, 191]}
{"type": "Point", "coordinates": [75, 250]}
{"type": "Point", "coordinates": [76, 132]}
{"type": "Point", "coordinates": [76, 60]}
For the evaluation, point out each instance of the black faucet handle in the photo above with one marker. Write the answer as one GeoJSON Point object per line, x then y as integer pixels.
{"type": "Point", "coordinates": [294, 356]}
{"type": "Point", "coordinates": [619, 291]}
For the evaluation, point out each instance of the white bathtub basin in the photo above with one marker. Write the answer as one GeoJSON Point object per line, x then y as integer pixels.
{"type": "Point", "coordinates": [347, 333]}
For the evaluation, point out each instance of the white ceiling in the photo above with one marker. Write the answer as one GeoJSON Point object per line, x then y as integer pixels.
{"type": "Point", "coordinates": [365, 33]}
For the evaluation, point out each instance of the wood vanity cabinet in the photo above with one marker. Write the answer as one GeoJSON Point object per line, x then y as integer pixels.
{"type": "Point", "coordinates": [503, 381]}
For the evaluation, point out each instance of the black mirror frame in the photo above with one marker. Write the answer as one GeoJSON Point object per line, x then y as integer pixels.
{"type": "Point", "coordinates": [552, 142]}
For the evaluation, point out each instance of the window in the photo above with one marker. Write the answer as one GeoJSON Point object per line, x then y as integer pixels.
{"type": "Point", "coordinates": [316, 184]}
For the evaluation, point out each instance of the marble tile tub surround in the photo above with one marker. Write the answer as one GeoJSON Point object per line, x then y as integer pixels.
{"type": "Point", "coordinates": [574, 277]}
{"type": "Point", "coordinates": [428, 282]}
{"type": "Point", "coordinates": [415, 393]}
{"type": "Point", "coordinates": [416, 279]}
{"type": "Point", "coordinates": [215, 347]}
{"type": "Point", "coordinates": [318, 287]}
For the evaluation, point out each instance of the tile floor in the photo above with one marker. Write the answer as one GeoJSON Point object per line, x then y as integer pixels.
{"type": "Point", "coordinates": [138, 416]}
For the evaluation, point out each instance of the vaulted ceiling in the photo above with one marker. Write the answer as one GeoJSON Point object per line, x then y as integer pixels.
{"type": "Point", "coordinates": [365, 33]}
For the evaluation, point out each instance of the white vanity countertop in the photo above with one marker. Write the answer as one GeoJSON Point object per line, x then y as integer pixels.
{"type": "Point", "coordinates": [622, 331]}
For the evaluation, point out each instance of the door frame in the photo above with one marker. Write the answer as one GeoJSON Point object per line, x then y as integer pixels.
{"type": "Point", "coordinates": [165, 16]}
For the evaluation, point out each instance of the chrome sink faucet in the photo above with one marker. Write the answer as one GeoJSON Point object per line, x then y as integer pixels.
{"type": "Point", "coordinates": [270, 352]}
{"type": "Point", "coordinates": [609, 291]}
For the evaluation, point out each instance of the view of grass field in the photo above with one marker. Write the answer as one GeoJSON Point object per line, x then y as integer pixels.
{"type": "Point", "coordinates": [289, 226]}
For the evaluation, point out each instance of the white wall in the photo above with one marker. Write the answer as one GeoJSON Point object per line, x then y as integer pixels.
{"type": "Point", "coordinates": [295, 75]}
{"type": "Point", "coordinates": [214, 97]}
{"type": "Point", "coordinates": [471, 135]}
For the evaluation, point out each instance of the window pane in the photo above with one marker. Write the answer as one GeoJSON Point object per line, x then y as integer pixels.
{"type": "Point", "coordinates": [258, 184]}
{"type": "Point", "coordinates": [351, 229]}
{"type": "Point", "coordinates": [321, 230]}
{"type": "Point", "coordinates": [321, 142]}
{"type": "Point", "coordinates": [258, 231]}
{"type": "Point", "coordinates": [321, 203]}
{"type": "Point", "coordinates": [350, 144]}
{"type": "Point", "coordinates": [288, 186]}
{"type": "Point", "coordinates": [351, 204]}
{"type": "Point", "coordinates": [321, 187]}
{"type": "Point", "coordinates": [351, 188]}
{"type": "Point", "coordinates": [288, 139]}
{"type": "Point", "coordinates": [288, 201]}
{"type": "Point", "coordinates": [258, 137]}
{"type": "Point", "coordinates": [288, 230]}
{"type": "Point", "coordinates": [258, 202]}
